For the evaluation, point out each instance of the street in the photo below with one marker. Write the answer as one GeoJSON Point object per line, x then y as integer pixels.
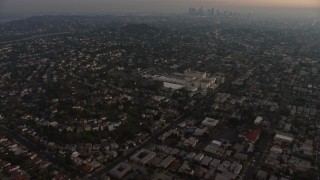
{"type": "Point", "coordinates": [33, 147]}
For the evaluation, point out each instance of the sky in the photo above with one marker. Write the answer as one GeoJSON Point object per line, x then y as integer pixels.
{"type": "Point", "coordinates": [105, 6]}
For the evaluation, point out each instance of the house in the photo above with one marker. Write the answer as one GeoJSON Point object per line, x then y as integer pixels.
{"type": "Point", "coordinates": [300, 164]}
{"type": "Point", "coordinates": [251, 136]}
{"type": "Point", "coordinates": [190, 156]}
{"type": "Point", "coordinates": [167, 161]}
{"type": "Point", "coordinates": [258, 120]}
{"type": "Point", "coordinates": [10, 169]}
{"type": "Point", "coordinates": [4, 164]}
{"type": "Point", "coordinates": [199, 157]}
{"type": "Point", "coordinates": [200, 131]}
{"type": "Point", "coordinates": [262, 175]}
{"type": "Point", "coordinates": [282, 137]}
{"type": "Point", "coordinates": [214, 149]}
{"type": "Point", "coordinates": [287, 127]}
{"type": "Point", "coordinates": [276, 149]}
{"type": "Point", "coordinates": [216, 142]}
{"type": "Point", "coordinates": [3, 139]}
{"type": "Point", "coordinates": [174, 165]}
{"type": "Point", "coordinates": [241, 156]}
{"type": "Point", "coordinates": [191, 142]}
{"type": "Point", "coordinates": [206, 160]}
{"type": "Point", "coordinates": [175, 151]}
{"type": "Point", "coordinates": [161, 176]}
{"type": "Point", "coordinates": [215, 162]}
{"type": "Point", "coordinates": [210, 122]}
{"type": "Point", "coordinates": [32, 155]}
{"type": "Point", "coordinates": [23, 176]}
{"type": "Point", "coordinates": [200, 171]}
{"type": "Point", "coordinates": [87, 167]}
{"type": "Point", "coordinates": [185, 168]}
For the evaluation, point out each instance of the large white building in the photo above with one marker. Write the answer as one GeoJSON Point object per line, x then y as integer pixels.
{"type": "Point", "coordinates": [195, 74]}
{"type": "Point", "coordinates": [190, 80]}
{"type": "Point", "coordinates": [172, 86]}
{"type": "Point", "coordinates": [205, 83]}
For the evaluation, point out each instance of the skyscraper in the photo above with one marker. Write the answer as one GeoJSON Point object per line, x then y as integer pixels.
{"type": "Point", "coordinates": [201, 11]}
{"type": "Point", "coordinates": [192, 12]}
{"type": "Point", "coordinates": [211, 12]}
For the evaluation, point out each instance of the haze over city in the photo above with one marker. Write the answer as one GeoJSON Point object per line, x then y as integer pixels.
{"type": "Point", "coordinates": [157, 6]}
{"type": "Point", "coordinates": [160, 89]}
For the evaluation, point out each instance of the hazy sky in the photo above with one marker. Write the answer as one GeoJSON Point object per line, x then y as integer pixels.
{"type": "Point", "coordinates": [105, 6]}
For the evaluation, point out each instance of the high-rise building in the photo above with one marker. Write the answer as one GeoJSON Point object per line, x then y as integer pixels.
{"type": "Point", "coordinates": [211, 12]}
{"type": "Point", "coordinates": [207, 12]}
{"type": "Point", "coordinates": [192, 11]}
{"type": "Point", "coordinates": [201, 11]}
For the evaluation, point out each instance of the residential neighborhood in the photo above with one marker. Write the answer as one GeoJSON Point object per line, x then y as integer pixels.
{"type": "Point", "coordinates": [202, 95]}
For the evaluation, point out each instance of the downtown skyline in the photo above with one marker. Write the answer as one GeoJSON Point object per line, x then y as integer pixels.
{"type": "Point", "coordinates": [158, 6]}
